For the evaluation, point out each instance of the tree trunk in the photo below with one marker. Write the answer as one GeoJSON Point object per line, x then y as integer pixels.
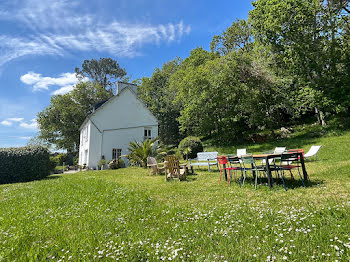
{"type": "Point", "coordinates": [320, 117]}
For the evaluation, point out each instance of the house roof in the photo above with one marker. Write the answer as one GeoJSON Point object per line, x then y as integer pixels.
{"type": "Point", "coordinates": [101, 104]}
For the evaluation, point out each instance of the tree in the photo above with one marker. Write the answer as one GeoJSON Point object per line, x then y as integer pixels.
{"type": "Point", "coordinates": [59, 123]}
{"type": "Point", "coordinates": [159, 97]}
{"type": "Point", "coordinates": [306, 39]}
{"type": "Point", "coordinates": [237, 37]}
{"type": "Point", "coordinates": [104, 71]}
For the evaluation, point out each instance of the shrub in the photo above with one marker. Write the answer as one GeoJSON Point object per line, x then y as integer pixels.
{"type": "Point", "coordinates": [139, 151]}
{"type": "Point", "coordinates": [113, 164]}
{"type": "Point", "coordinates": [23, 164]}
{"type": "Point", "coordinates": [121, 163]}
{"type": "Point", "coordinates": [53, 163]}
{"type": "Point", "coordinates": [190, 146]}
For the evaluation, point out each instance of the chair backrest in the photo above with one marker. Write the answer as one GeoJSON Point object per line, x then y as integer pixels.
{"type": "Point", "coordinates": [222, 160]}
{"type": "Point", "coordinates": [151, 161]}
{"type": "Point", "coordinates": [241, 152]}
{"type": "Point", "coordinates": [288, 158]}
{"type": "Point", "coordinates": [172, 164]}
{"type": "Point", "coordinates": [279, 150]}
{"type": "Point", "coordinates": [205, 156]}
{"type": "Point", "coordinates": [248, 159]}
{"type": "Point", "coordinates": [313, 150]}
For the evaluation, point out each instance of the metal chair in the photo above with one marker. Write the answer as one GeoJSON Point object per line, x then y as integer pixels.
{"type": "Point", "coordinates": [249, 160]}
{"type": "Point", "coordinates": [223, 166]}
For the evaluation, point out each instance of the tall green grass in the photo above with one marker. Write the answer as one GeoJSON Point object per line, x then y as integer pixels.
{"type": "Point", "coordinates": [129, 216]}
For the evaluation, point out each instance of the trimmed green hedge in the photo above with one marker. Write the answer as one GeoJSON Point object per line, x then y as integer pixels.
{"type": "Point", "coordinates": [21, 164]}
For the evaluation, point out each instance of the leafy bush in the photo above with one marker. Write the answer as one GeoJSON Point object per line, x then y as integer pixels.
{"type": "Point", "coordinates": [116, 163]}
{"type": "Point", "coordinates": [121, 163]}
{"type": "Point", "coordinates": [60, 158]}
{"type": "Point", "coordinates": [190, 146]}
{"type": "Point", "coordinates": [23, 164]}
{"type": "Point", "coordinates": [53, 163]}
{"type": "Point", "coordinates": [139, 151]}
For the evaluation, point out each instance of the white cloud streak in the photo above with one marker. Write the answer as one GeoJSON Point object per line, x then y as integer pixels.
{"type": "Point", "coordinates": [29, 125]}
{"type": "Point", "coordinates": [40, 82]}
{"type": "Point", "coordinates": [57, 30]}
{"type": "Point", "coordinates": [6, 123]}
{"type": "Point", "coordinates": [32, 124]}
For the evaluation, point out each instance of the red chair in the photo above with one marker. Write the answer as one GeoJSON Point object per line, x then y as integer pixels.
{"type": "Point", "coordinates": [222, 161]}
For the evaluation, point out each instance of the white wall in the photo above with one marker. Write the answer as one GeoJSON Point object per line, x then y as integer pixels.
{"type": "Point", "coordinates": [121, 121]}
{"type": "Point", "coordinates": [94, 146]}
{"type": "Point", "coordinates": [121, 139]}
{"type": "Point", "coordinates": [84, 144]}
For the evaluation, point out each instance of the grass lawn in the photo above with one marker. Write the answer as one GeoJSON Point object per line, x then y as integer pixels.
{"type": "Point", "coordinates": [127, 215]}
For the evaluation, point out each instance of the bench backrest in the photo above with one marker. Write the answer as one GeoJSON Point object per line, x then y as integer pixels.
{"type": "Point", "coordinates": [204, 156]}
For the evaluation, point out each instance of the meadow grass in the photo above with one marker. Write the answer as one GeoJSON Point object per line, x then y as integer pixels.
{"type": "Point", "coordinates": [129, 216]}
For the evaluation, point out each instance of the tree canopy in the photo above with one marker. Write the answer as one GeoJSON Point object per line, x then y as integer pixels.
{"type": "Point", "coordinates": [59, 123]}
{"type": "Point", "coordinates": [104, 71]}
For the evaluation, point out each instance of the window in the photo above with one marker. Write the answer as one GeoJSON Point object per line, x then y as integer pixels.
{"type": "Point", "coordinates": [116, 153]}
{"type": "Point", "coordinates": [147, 133]}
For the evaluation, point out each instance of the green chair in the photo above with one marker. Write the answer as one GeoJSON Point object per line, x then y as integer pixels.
{"type": "Point", "coordinates": [250, 165]}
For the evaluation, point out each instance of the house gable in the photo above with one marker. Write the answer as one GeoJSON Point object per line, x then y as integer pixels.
{"type": "Point", "coordinates": [124, 110]}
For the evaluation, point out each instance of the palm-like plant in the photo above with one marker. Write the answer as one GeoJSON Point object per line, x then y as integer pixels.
{"type": "Point", "coordinates": [139, 151]}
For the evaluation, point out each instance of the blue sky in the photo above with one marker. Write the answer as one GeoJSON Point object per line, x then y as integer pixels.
{"type": "Point", "coordinates": [41, 42]}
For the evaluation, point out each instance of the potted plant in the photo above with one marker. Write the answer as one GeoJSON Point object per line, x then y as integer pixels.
{"type": "Point", "coordinates": [102, 163]}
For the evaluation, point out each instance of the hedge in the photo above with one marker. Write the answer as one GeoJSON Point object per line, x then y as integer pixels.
{"type": "Point", "coordinates": [21, 164]}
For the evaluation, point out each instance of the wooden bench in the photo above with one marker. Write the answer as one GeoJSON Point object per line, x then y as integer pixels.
{"type": "Point", "coordinates": [205, 159]}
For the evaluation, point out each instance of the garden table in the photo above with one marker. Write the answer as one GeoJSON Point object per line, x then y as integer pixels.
{"type": "Point", "coordinates": [272, 156]}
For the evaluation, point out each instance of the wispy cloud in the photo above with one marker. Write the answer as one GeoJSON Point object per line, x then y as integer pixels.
{"type": "Point", "coordinates": [32, 124]}
{"type": "Point", "coordinates": [39, 82]}
{"type": "Point", "coordinates": [56, 30]}
{"type": "Point", "coordinates": [6, 123]}
{"type": "Point", "coordinates": [29, 125]}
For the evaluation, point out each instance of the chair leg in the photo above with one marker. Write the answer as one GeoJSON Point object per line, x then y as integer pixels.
{"type": "Point", "coordinates": [284, 182]}
{"type": "Point", "coordinates": [220, 177]}
{"type": "Point", "coordinates": [256, 179]}
{"type": "Point", "coordinates": [302, 180]}
{"type": "Point", "coordinates": [245, 176]}
{"type": "Point", "coordinates": [229, 177]}
{"type": "Point", "coordinates": [291, 175]}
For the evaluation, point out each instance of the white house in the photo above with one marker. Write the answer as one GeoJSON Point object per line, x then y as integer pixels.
{"type": "Point", "coordinates": [113, 124]}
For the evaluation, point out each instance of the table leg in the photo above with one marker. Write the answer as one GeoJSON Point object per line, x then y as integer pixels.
{"type": "Point", "coordinates": [268, 171]}
{"type": "Point", "coordinates": [306, 178]}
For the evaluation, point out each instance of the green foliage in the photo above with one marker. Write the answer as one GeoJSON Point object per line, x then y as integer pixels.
{"type": "Point", "coordinates": [237, 37]}
{"type": "Point", "coordinates": [60, 158]}
{"type": "Point", "coordinates": [190, 146]}
{"type": "Point", "coordinates": [53, 163]}
{"type": "Point", "coordinates": [139, 151]}
{"type": "Point", "coordinates": [116, 163]}
{"type": "Point", "coordinates": [59, 123]}
{"type": "Point", "coordinates": [23, 164]}
{"type": "Point", "coordinates": [306, 40]}
{"type": "Point", "coordinates": [159, 97]}
{"type": "Point", "coordinates": [104, 71]}
{"type": "Point", "coordinates": [101, 163]}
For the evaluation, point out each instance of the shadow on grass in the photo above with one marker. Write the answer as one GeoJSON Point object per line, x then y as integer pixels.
{"type": "Point", "coordinates": [290, 184]}
{"type": "Point", "coordinates": [32, 180]}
